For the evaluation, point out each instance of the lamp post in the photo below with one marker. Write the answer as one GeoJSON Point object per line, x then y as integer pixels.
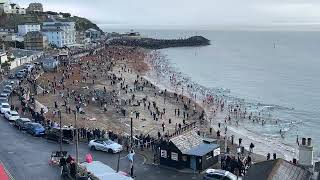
{"type": "Point", "coordinates": [59, 112]}
{"type": "Point", "coordinates": [131, 132]}
{"type": "Point", "coordinates": [225, 138]}
{"type": "Point", "coordinates": [77, 139]}
{"type": "Point", "coordinates": [118, 162]}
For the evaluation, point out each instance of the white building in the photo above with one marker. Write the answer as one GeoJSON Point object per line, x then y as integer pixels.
{"type": "Point", "coordinates": [11, 8]}
{"type": "Point", "coordinates": [13, 37]}
{"type": "Point", "coordinates": [24, 29]}
{"type": "Point", "coordinates": [60, 34]}
{"type": "Point", "coordinates": [3, 56]}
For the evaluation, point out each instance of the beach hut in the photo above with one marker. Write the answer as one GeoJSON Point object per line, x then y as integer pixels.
{"type": "Point", "coordinates": [189, 150]}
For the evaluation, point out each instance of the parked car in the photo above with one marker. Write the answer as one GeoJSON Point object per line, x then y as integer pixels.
{"type": "Point", "coordinates": [35, 129]}
{"type": "Point", "coordinates": [23, 70]}
{"type": "Point", "coordinates": [4, 107]}
{"type": "Point", "coordinates": [7, 91]}
{"type": "Point", "coordinates": [218, 174]}
{"type": "Point", "coordinates": [11, 115]}
{"type": "Point", "coordinates": [4, 95]}
{"type": "Point", "coordinates": [29, 67]}
{"type": "Point", "coordinates": [11, 83]}
{"type": "Point", "coordinates": [54, 134]}
{"type": "Point", "coordinates": [21, 123]}
{"type": "Point", "coordinates": [12, 76]}
{"type": "Point", "coordinates": [8, 87]}
{"type": "Point", "coordinates": [3, 100]}
{"type": "Point", "coordinates": [20, 75]}
{"type": "Point", "coordinates": [105, 145]}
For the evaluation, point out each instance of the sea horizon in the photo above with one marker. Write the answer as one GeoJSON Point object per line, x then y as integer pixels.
{"type": "Point", "coordinates": [312, 27]}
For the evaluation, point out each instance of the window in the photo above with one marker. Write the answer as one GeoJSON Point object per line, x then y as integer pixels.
{"type": "Point", "coordinates": [209, 155]}
{"type": "Point", "coordinates": [98, 141]}
{"type": "Point", "coordinates": [214, 176]}
{"type": "Point", "coordinates": [174, 156]}
{"type": "Point", "coordinates": [216, 152]}
{"type": "Point", "coordinates": [184, 158]}
{"type": "Point", "coordinates": [163, 153]}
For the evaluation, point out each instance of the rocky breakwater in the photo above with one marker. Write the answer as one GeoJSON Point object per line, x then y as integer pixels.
{"type": "Point", "coordinates": [151, 43]}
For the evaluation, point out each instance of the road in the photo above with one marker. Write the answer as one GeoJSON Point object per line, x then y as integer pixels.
{"type": "Point", "coordinates": [26, 157]}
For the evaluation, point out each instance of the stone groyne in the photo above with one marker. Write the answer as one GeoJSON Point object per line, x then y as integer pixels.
{"type": "Point", "coordinates": [151, 43]}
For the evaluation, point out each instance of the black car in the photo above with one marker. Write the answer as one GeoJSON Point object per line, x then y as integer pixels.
{"type": "Point", "coordinates": [54, 134]}
{"type": "Point", "coordinates": [20, 75]}
{"type": "Point", "coordinates": [21, 123]}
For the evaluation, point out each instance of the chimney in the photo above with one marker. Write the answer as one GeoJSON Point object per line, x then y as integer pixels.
{"type": "Point", "coordinates": [306, 153]}
{"type": "Point", "coordinates": [309, 142]}
{"type": "Point", "coordinates": [303, 141]}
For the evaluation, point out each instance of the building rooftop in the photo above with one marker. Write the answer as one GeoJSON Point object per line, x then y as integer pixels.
{"type": "Point", "coordinates": [92, 30]}
{"type": "Point", "coordinates": [187, 141]}
{"type": "Point", "coordinates": [18, 53]}
{"type": "Point", "coordinates": [56, 24]}
{"type": "Point", "coordinates": [202, 149]}
{"type": "Point", "coordinates": [34, 34]}
{"type": "Point", "coordinates": [278, 169]}
{"type": "Point", "coordinates": [52, 30]}
{"type": "Point", "coordinates": [29, 23]}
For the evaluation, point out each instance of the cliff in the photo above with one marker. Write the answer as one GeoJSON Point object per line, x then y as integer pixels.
{"type": "Point", "coordinates": [11, 21]}
{"type": "Point", "coordinates": [150, 43]}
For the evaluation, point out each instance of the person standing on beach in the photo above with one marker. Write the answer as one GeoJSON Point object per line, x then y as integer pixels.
{"type": "Point", "coordinates": [251, 148]}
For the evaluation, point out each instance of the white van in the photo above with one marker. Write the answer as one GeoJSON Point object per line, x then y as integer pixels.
{"type": "Point", "coordinates": [104, 172]}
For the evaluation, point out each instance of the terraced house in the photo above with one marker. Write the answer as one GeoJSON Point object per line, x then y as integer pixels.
{"type": "Point", "coordinates": [60, 33]}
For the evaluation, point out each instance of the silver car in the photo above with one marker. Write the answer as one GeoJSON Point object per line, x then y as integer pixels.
{"type": "Point", "coordinates": [218, 174]}
{"type": "Point", "coordinates": [105, 145]}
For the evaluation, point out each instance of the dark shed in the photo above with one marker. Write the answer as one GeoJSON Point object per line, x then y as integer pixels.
{"type": "Point", "coordinates": [188, 150]}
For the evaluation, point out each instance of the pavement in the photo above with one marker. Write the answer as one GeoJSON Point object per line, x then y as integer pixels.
{"type": "Point", "coordinates": [27, 158]}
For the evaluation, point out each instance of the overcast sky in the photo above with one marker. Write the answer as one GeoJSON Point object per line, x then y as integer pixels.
{"type": "Point", "coordinates": [189, 13]}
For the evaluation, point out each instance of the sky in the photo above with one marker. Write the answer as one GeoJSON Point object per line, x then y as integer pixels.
{"type": "Point", "coordinates": [189, 13]}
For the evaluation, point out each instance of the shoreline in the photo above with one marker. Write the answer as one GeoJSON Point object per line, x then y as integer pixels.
{"type": "Point", "coordinates": [261, 148]}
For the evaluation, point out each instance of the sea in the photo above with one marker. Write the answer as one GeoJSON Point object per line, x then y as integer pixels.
{"type": "Point", "coordinates": [274, 72]}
